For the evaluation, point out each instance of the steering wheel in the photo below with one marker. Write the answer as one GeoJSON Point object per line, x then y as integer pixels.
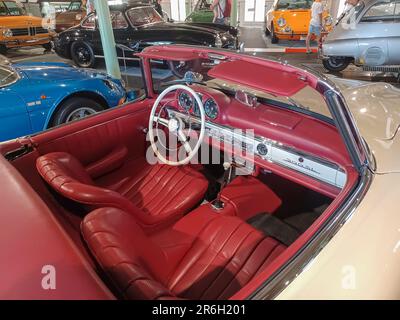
{"type": "Point", "coordinates": [176, 126]}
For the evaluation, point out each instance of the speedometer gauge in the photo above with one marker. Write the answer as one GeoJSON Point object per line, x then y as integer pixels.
{"type": "Point", "coordinates": [211, 109]}
{"type": "Point", "coordinates": [185, 101]}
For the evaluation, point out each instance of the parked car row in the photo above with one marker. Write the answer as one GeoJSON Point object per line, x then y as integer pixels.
{"type": "Point", "coordinates": [135, 28]}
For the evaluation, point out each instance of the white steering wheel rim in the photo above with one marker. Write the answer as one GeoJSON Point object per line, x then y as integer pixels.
{"type": "Point", "coordinates": [202, 126]}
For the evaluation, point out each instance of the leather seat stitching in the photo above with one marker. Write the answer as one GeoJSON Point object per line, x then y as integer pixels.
{"type": "Point", "coordinates": [216, 253]}
{"type": "Point", "coordinates": [159, 188]}
{"type": "Point", "coordinates": [230, 260]}
{"type": "Point", "coordinates": [171, 197]}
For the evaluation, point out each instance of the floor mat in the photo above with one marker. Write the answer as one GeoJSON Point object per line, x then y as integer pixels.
{"type": "Point", "coordinates": [303, 220]}
{"type": "Point", "coordinates": [274, 227]}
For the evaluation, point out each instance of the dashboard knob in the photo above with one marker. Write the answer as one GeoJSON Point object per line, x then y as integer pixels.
{"type": "Point", "coordinates": [262, 149]}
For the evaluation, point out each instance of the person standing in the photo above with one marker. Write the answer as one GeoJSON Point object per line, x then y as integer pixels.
{"type": "Point", "coordinates": [158, 7]}
{"type": "Point", "coordinates": [88, 6]}
{"type": "Point", "coordinates": [316, 23]}
{"type": "Point", "coordinates": [350, 4]}
{"type": "Point", "coordinates": [219, 8]}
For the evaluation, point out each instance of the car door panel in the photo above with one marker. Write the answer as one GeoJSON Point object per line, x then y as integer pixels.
{"type": "Point", "coordinates": [375, 28]}
{"type": "Point", "coordinates": [394, 40]}
{"type": "Point", "coordinates": [113, 128]}
{"type": "Point", "coordinates": [14, 118]}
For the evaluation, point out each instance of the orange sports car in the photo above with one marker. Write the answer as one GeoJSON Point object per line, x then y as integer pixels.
{"type": "Point", "coordinates": [290, 20]}
{"type": "Point", "coordinates": [18, 29]}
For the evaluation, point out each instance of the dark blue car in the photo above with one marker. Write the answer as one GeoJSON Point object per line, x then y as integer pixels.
{"type": "Point", "coordinates": [37, 96]}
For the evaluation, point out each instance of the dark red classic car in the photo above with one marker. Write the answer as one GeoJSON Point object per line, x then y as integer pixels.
{"type": "Point", "coordinates": [96, 209]}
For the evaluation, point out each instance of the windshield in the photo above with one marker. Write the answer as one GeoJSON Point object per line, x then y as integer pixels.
{"type": "Point", "coordinates": [11, 8]}
{"type": "Point", "coordinates": [167, 73]}
{"type": "Point", "coordinates": [7, 76]}
{"type": "Point", "coordinates": [203, 5]}
{"type": "Point", "coordinates": [294, 4]}
{"type": "Point", "coordinates": [351, 13]}
{"type": "Point", "coordinates": [74, 6]}
{"type": "Point", "coordinates": [143, 15]}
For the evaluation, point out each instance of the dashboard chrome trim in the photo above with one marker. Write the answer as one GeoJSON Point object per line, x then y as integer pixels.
{"type": "Point", "coordinates": [278, 153]}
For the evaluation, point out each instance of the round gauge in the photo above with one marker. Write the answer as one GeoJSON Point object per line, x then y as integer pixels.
{"type": "Point", "coordinates": [185, 101]}
{"type": "Point", "coordinates": [211, 109]}
{"type": "Point", "coordinates": [262, 149]}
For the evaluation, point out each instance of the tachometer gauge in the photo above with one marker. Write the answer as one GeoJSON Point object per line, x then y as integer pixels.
{"type": "Point", "coordinates": [211, 109]}
{"type": "Point", "coordinates": [185, 101]}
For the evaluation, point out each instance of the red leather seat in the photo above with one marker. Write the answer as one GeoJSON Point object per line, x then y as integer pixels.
{"type": "Point", "coordinates": [203, 256]}
{"type": "Point", "coordinates": [155, 195]}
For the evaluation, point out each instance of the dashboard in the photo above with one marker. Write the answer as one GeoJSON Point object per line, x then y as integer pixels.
{"type": "Point", "coordinates": [264, 148]}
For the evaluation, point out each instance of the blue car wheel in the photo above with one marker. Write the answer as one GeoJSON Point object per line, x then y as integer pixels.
{"type": "Point", "coordinates": [75, 108]}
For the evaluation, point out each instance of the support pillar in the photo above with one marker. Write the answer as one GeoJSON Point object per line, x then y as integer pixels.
{"type": "Point", "coordinates": [107, 38]}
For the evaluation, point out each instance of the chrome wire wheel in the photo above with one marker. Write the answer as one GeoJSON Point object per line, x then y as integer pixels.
{"type": "Point", "coordinates": [82, 54]}
{"type": "Point", "coordinates": [80, 113]}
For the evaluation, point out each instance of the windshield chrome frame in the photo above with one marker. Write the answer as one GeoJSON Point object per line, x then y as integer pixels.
{"type": "Point", "coordinates": [23, 11]}
{"type": "Point", "coordinates": [9, 68]}
{"type": "Point", "coordinates": [147, 24]}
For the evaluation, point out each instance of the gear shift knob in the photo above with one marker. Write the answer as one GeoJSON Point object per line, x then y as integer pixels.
{"type": "Point", "coordinates": [218, 204]}
{"type": "Point", "coordinates": [227, 165]}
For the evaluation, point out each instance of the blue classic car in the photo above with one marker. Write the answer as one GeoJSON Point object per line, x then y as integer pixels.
{"type": "Point", "coordinates": [37, 96]}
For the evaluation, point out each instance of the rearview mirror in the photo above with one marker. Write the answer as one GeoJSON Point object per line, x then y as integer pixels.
{"type": "Point", "coordinates": [246, 98]}
{"type": "Point", "coordinates": [191, 76]}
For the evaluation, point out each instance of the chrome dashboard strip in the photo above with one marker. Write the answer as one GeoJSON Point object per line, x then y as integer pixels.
{"type": "Point", "coordinates": [278, 153]}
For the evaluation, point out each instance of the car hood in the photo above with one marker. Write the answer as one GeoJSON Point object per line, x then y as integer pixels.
{"type": "Point", "coordinates": [298, 20]}
{"type": "Point", "coordinates": [182, 27]}
{"type": "Point", "coordinates": [216, 27]}
{"type": "Point", "coordinates": [341, 33]}
{"type": "Point", "coordinates": [20, 21]}
{"type": "Point", "coordinates": [376, 110]}
{"type": "Point", "coordinates": [57, 71]}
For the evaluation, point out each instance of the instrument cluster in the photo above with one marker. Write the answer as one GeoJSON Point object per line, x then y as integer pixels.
{"type": "Point", "coordinates": [189, 104]}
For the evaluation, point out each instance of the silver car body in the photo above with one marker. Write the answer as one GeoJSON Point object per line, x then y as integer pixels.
{"type": "Point", "coordinates": [369, 35]}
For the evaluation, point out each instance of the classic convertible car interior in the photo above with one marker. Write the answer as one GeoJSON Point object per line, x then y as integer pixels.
{"type": "Point", "coordinates": [117, 226]}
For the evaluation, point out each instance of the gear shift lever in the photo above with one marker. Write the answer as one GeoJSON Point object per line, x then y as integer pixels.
{"type": "Point", "coordinates": [218, 204]}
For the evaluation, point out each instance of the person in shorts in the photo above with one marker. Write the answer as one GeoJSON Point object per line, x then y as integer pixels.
{"type": "Point", "coordinates": [315, 23]}
{"type": "Point", "coordinates": [218, 7]}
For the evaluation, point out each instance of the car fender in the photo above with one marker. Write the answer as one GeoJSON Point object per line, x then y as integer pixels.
{"type": "Point", "coordinates": [75, 89]}
{"type": "Point", "coordinates": [269, 19]}
{"type": "Point", "coordinates": [341, 48]}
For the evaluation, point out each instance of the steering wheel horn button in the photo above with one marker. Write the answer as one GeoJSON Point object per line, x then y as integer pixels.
{"type": "Point", "coordinates": [174, 125]}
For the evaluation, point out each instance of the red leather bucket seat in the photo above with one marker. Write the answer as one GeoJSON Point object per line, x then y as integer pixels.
{"type": "Point", "coordinates": [155, 194]}
{"type": "Point", "coordinates": [205, 255]}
